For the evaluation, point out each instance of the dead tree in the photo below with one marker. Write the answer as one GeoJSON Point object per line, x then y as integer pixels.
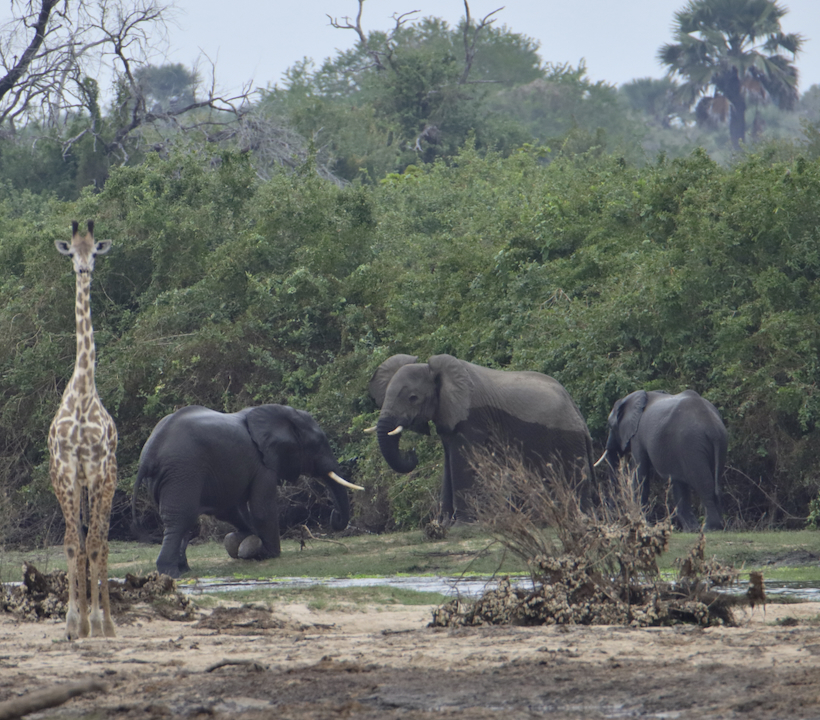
{"type": "Point", "coordinates": [51, 51]}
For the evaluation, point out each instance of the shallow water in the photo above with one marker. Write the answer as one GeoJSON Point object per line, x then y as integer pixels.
{"type": "Point", "coordinates": [449, 586]}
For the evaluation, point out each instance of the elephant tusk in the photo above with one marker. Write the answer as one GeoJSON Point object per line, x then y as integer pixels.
{"type": "Point", "coordinates": [370, 429]}
{"type": "Point", "coordinates": [343, 482]}
{"type": "Point", "coordinates": [397, 431]}
{"type": "Point", "coordinates": [600, 460]}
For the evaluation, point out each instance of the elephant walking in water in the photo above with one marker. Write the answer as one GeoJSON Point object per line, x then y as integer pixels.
{"type": "Point", "coordinates": [203, 462]}
{"type": "Point", "coordinates": [680, 437]}
{"type": "Point", "coordinates": [471, 406]}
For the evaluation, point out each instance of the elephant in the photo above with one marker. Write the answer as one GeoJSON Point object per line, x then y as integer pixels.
{"type": "Point", "coordinates": [681, 437]}
{"type": "Point", "coordinates": [473, 406]}
{"type": "Point", "coordinates": [199, 461]}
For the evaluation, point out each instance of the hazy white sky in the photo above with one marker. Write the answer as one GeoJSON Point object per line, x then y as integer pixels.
{"type": "Point", "coordinates": [257, 40]}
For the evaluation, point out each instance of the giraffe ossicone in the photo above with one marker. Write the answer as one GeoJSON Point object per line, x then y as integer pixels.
{"type": "Point", "coordinates": [82, 444]}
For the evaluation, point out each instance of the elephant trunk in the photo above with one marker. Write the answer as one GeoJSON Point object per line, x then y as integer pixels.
{"type": "Point", "coordinates": [340, 517]}
{"type": "Point", "coordinates": [612, 455]}
{"type": "Point", "coordinates": [401, 462]}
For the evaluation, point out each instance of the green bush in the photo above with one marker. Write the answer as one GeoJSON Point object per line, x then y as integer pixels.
{"type": "Point", "coordinates": [225, 290]}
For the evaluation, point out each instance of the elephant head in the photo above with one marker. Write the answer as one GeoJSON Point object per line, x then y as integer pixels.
{"type": "Point", "coordinates": [291, 443]}
{"type": "Point", "coordinates": [623, 425]}
{"type": "Point", "coordinates": [411, 395]}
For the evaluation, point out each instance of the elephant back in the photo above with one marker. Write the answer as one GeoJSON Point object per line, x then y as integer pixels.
{"type": "Point", "coordinates": [532, 396]}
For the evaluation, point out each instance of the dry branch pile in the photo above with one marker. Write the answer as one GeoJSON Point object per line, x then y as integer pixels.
{"type": "Point", "coordinates": [45, 596]}
{"type": "Point", "coordinates": [589, 565]}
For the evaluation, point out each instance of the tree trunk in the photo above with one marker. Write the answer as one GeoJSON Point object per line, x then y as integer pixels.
{"type": "Point", "coordinates": [737, 119]}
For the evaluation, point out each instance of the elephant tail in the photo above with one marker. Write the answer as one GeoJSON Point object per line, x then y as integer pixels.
{"type": "Point", "coordinates": [137, 528]}
{"type": "Point", "coordinates": [716, 470]}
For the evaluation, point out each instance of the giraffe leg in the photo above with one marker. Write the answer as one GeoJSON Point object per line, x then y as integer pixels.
{"type": "Point", "coordinates": [111, 484]}
{"type": "Point", "coordinates": [97, 548]}
{"type": "Point", "coordinates": [76, 616]}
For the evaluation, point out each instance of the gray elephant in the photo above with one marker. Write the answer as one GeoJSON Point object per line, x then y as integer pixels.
{"type": "Point", "coordinates": [682, 438]}
{"type": "Point", "coordinates": [472, 406]}
{"type": "Point", "coordinates": [203, 462]}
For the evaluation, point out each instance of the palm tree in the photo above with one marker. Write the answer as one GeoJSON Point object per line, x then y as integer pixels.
{"type": "Point", "coordinates": [734, 47]}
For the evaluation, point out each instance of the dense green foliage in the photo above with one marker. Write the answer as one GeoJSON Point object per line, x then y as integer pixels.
{"type": "Point", "coordinates": [227, 291]}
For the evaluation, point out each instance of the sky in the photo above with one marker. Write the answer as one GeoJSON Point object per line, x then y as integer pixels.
{"type": "Point", "coordinates": [255, 41]}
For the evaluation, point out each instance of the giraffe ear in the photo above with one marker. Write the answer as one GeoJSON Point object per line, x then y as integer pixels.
{"type": "Point", "coordinates": [63, 247]}
{"type": "Point", "coordinates": [102, 247]}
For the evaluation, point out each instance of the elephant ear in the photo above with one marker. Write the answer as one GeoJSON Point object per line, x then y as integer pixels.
{"type": "Point", "coordinates": [384, 374]}
{"type": "Point", "coordinates": [455, 389]}
{"type": "Point", "coordinates": [273, 429]}
{"type": "Point", "coordinates": [629, 413]}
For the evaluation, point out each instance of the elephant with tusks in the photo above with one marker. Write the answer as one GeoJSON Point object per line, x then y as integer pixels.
{"type": "Point", "coordinates": [680, 437]}
{"type": "Point", "coordinates": [474, 406]}
{"type": "Point", "coordinates": [203, 462]}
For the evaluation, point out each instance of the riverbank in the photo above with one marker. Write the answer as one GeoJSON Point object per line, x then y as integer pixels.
{"type": "Point", "coordinates": [289, 661]}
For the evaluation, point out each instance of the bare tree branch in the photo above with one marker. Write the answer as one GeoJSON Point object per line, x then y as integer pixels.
{"type": "Point", "coordinates": [469, 46]}
{"type": "Point", "coordinates": [52, 51]}
{"type": "Point", "coordinates": [399, 18]}
{"type": "Point", "coordinates": [21, 66]}
{"type": "Point", "coordinates": [65, 43]}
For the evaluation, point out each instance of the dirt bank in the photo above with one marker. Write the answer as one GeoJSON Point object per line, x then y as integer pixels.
{"type": "Point", "coordinates": [249, 662]}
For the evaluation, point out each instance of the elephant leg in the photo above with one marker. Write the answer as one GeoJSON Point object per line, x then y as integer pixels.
{"type": "Point", "coordinates": [643, 475]}
{"type": "Point", "coordinates": [645, 488]}
{"type": "Point", "coordinates": [714, 514]}
{"type": "Point", "coordinates": [169, 560]}
{"type": "Point", "coordinates": [461, 484]}
{"type": "Point", "coordinates": [172, 559]}
{"type": "Point", "coordinates": [447, 504]}
{"type": "Point", "coordinates": [264, 514]}
{"type": "Point", "coordinates": [683, 504]}
{"type": "Point", "coordinates": [232, 542]}
{"type": "Point", "coordinates": [241, 522]}
{"type": "Point", "coordinates": [183, 550]}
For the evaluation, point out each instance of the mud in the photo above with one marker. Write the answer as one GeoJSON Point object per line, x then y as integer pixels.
{"type": "Point", "coordinates": [290, 662]}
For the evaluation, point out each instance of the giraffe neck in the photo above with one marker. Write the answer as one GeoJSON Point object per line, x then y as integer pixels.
{"type": "Point", "coordinates": [82, 382]}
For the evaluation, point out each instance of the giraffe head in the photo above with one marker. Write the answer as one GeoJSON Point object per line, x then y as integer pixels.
{"type": "Point", "coordinates": [83, 249]}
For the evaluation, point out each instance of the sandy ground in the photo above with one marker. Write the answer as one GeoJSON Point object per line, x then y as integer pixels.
{"type": "Point", "coordinates": [291, 662]}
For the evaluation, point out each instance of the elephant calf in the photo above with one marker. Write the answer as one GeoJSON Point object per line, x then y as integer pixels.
{"type": "Point", "coordinates": [680, 437]}
{"type": "Point", "coordinates": [203, 462]}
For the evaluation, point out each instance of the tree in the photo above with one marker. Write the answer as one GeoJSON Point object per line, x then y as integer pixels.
{"type": "Point", "coordinates": [51, 52]}
{"type": "Point", "coordinates": [565, 109]}
{"type": "Point", "coordinates": [735, 48]}
{"type": "Point", "coordinates": [167, 86]}
{"type": "Point", "coordinates": [657, 99]}
{"type": "Point", "coordinates": [412, 94]}
{"type": "Point", "coordinates": [417, 78]}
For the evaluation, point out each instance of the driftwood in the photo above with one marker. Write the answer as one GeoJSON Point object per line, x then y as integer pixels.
{"type": "Point", "coordinates": [252, 664]}
{"type": "Point", "coordinates": [42, 699]}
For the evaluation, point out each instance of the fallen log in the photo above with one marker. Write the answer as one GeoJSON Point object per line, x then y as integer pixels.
{"type": "Point", "coordinates": [42, 699]}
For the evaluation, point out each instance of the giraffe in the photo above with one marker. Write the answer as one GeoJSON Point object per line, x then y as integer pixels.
{"type": "Point", "coordinates": [82, 443]}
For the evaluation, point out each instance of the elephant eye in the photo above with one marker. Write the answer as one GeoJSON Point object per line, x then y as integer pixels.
{"type": "Point", "coordinates": [413, 398]}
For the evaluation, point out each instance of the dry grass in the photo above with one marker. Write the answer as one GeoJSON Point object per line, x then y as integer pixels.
{"type": "Point", "coordinates": [597, 563]}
